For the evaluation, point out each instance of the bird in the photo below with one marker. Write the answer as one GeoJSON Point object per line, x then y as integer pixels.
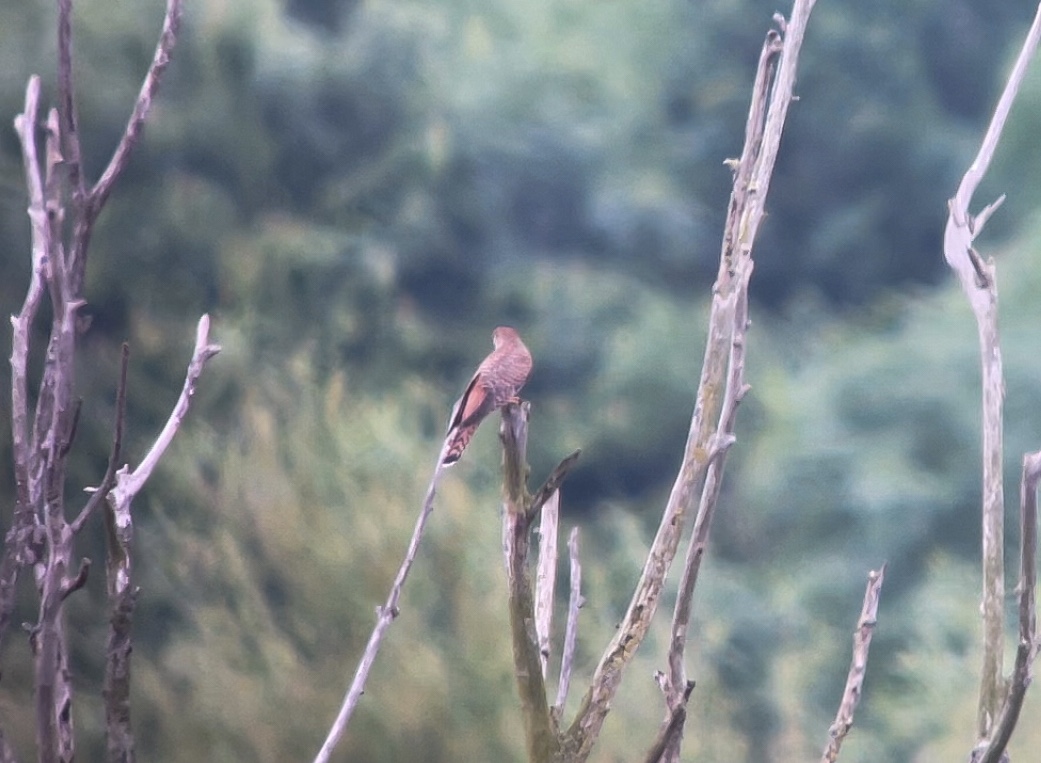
{"type": "Point", "coordinates": [495, 383]}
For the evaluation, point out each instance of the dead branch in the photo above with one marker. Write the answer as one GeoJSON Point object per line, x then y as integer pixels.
{"type": "Point", "coordinates": [553, 482]}
{"type": "Point", "coordinates": [546, 577]}
{"type": "Point", "coordinates": [94, 201]}
{"type": "Point", "coordinates": [542, 738]}
{"type": "Point", "coordinates": [19, 545]}
{"type": "Point", "coordinates": [978, 280]}
{"type": "Point", "coordinates": [129, 484]}
{"type": "Point", "coordinates": [100, 493]}
{"type": "Point", "coordinates": [667, 742]}
{"type": "Point", "coordinates": [858, 667]}
{"type": "Point", "coordinates": [567, 656]}
{"type": "Point", "coordinates": [745, 215]}
{"type": "Point", "coordinates": [677, 687]}
{"type": "Point", "coordinates": [120, 491]}
{"type": "Point", "coordinates": [1026, 650]}
{"type": "Point", "coordinates": [385, 615]}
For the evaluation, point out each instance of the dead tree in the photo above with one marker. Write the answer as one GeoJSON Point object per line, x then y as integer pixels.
{"type": "Point", "coordinates": [692, 501]}
{"type": "Point", "coordinates": [696, 489]}
{"type": "Point", "coordinates": [63, 209]}
{"type": "Point", "coordinates": [1000, 700]}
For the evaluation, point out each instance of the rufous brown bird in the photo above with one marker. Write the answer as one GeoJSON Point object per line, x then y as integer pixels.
{"type": "Point", "coordinates": [497, 381]}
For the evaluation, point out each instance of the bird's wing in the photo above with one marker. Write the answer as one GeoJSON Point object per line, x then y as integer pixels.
{"type": "Point", "coordinates": [474, 404]}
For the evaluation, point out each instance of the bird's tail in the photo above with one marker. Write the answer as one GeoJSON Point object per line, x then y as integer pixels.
{"type": "Point", "coordinates": [455, 444]}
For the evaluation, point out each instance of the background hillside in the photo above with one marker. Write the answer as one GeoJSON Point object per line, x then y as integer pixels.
{"type": "Point", "coordinates": [358, 192]}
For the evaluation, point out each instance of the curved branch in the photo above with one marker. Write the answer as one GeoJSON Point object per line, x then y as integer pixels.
{"type": "Point", "coordinates": [128, 484]}
{"type": "Point", "coordinates": [385, 615]}
{"type": "Point", "coordinates": [95, 200]}
{"type": "Point", "coordinates": [131, 135]}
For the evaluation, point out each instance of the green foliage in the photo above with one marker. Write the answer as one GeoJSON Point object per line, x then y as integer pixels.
{"type": "Point", "coordinates": [869, 452]}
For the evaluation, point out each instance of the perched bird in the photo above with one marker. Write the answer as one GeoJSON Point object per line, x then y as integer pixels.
{"type": "Point", "coordinates": [497, 381]}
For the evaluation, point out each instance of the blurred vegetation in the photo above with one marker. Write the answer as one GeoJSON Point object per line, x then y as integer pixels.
{"type": "Point", "coordinates": [359, 192]}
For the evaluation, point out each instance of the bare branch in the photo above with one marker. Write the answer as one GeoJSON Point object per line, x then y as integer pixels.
{"type": "Point", "coordinates": [122, 597]}
{"type": "Point", "coordinates": [978, 280]}
{"type": "Point", "coordinates": [546, 577]}
{"type": "Point", "coordinates": [119, 736]}
{"type": "Point", "coordinates": [1027, 648]}
{"type": "Point", "coordinates": [88, 205]}
{"type": "Point", "coordinates": [131, 135]}
{"type": "Point", "coordinates": [667, 741]}
{"type": "Point", "coordinates": [961, 229]}
{"type": "Point", "coordinates": [72, 585]}
{"type": "Point", "coordinates": [109, 480]}
{"type": "Point", "coordinates": [858, 667]}
{"type": "Point", "coordinates": [385, 615]}
{"type": "Point", "coordinates": [542, 739]}
{"type": "Point", "coordinates": [17, 543]}
{"type": "Point", "coordinates": [985, 213]}
{"type": "Point", "coordinates": [677, 688]}
{"type": "Point", "coordinates": [120, 487]}
{"type": "Point", "coordinates": [567, 655]}
{"type": "Point", "coordinates": [553, 482]}
{"type": "Point", "coordinates": [752, 182]}
{"type": "Point", "coordinates": [128, 484]}
{"type": "Point", "coordinates": [67, 103]}
{"type": "Point", "coordinates": [52, 678]}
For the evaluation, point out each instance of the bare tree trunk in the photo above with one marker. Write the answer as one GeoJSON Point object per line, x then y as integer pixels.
{"type": "Point", "coordinates": [978, 279]}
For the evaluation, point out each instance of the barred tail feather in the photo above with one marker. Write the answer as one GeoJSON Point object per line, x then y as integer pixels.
{"type": "Point", "coordinates": [456, 443]}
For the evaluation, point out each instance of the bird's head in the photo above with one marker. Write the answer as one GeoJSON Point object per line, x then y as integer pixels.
{"type": "Point", "coordinates": [503, 335]}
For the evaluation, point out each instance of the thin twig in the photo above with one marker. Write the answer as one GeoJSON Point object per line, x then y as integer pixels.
{"type": "Point", "coordinates": [553, 482]}
{"type": "Point", "coordinates": [109, 480]}
{"type": "Point", "coordinates": [668, 738]}
{"type": "Point", "coordinates": [131, 135]}
{"type": "Point", "coordinates": [567, 655]}
{"type": "Point", "coordinates": [385, 615]}
{"type": "Point", "coordinates": [858, 666]}
{"type": "Point", "coordinates": [89, 204]}
{"type": "Point", "coordinates": [119, 525]}
{"type": "Point", "coordinates": [67, 103]}
{"type": "Point", "coordinates": [546, 576]}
